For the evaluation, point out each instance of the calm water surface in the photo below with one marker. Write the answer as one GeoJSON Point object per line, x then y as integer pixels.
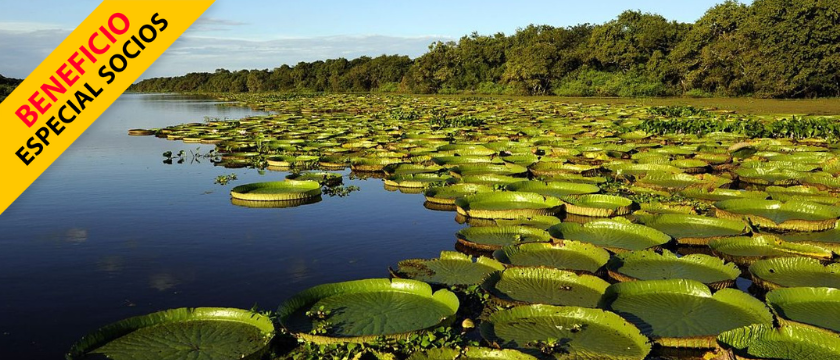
{"type": "Point", "coordinates": [109, 232]}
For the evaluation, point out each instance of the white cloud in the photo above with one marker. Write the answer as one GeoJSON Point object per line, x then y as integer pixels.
{"type": "Point", "coordinates": [209, 23]}
{"type": "Point", "coordinates": [205, 54]}
{"type": "Point", "coordinates": [25, 27]}
{"type": "Point", "coordinates": [21, 52]}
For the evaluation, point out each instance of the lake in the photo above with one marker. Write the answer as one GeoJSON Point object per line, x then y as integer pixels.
{"type": "Point", "coordinates": [109, 231]}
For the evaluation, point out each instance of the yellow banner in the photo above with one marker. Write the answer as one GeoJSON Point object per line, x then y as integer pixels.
{"type": "Point", "coordinates": [82, 78]}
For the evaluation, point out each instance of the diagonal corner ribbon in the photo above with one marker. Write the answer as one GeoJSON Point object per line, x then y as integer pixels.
{"type": "Point", "coordinates": [69, 90]}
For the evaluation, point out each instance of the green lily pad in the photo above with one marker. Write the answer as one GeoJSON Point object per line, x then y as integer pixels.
{"type": "Point", "coordinates": [795, 272]}
{"type": "Point", "coordinates": [549, 168]}
{"type": "Point", "coordinates": [494, 180]}
{"type": "Point", "coordinates": [277, 191]}
{"type": "Point", "coordinates": [829, 239]}
{"type": "Point", "coordinates": [406, 169]}
{"type": "Point", "coordinates": [470, 353]}
{"type": "Point", "coordinates": [745, 250]}
{"type": "Point", "coordinates": [575, 178]}
{"type": "Point", "coordinates": [770, 176]}
{"type": "Point", "coordinates": [507, 205]}
{"type": "Point", "coordinates": [376, 164]}
{"type": "Point", "coordinates": [447, 194]}
{"type": "Point", "coordinates": [363, 310]}
{"type": "Point", "coordinates": [553, 188]}
{"type": "Point", "coordinates": [452, 268]}
{"type": "Point", "coordinates": [683, 313]}
{"type": "Point", "coordinates": [323, 178]}
{"type": "Point", "coordinates": [780, 216]}
{"type": "Point", "coordinates": [452, 160]}
{"type": "Point", "coordinates": [545, 286]}
{"type": "Point", "coordinates": [791, 342]}
{"type": "Point", "coordinates": [538, 221]}
{"type": "Point", "coordinates": [815, 306]}
{"type": "Point", "coordinates": [489, 238]}
{"type": "Point", "coordinates": [613, 234]}
{"type": "Point", "coordinates": [650, 265]}
{"type": "Point", "coordinates": [692, 166]}
{"type": "Point", "coordinates": [598, 205]}
{"type": "Point", "coordinates": [671, 181]}
{"type": "Point", "coordinates": [186, 333]}
{"type": "Point", "coordinates": [695, 229]}
{"type": "Point", "coordinates": [488, 168]}
{"type": "Point", "coordinates": [565, 255]}
{"type": "Point", "coordinates": [417, 181]}
{"type": "Point", "coordinates": [719, 194]}
{"type": "Point", "coordinates": [569, 332]}
{"type": "Point", "coordinates": [625, 168]}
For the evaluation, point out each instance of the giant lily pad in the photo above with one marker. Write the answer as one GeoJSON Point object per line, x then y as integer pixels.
{"type": "Point", "coordinates": [447, 194]}
{"type": "Point", "coordinates": [490, 179]}
{"type": "Point", "coordinates": [554, 188]}
{"type": "Point", "coordinates": [453, 160]}
{"type": "Point", "coordinates": [719, 194]}
{"type": "Point", "coordinates": [186, 333]}
{"type": "Point", "coordinates": [373, 164]}
{"type": "Point", "coordinates": [489, 238]}
{"type": "Point", "coordinates": [568, 332]}
{"type": "Point", "coordinates": [488, 168]}
{"type": "Point", "coordinates": [815, 306]}
{"type": "Point", "coordinates": [537, 221]}
{"type": "Point", "coordinates": [277, 204]}
{"type": "Point", "coordinates": [625, 168]}
{"type": "Point", "coordinates": [566, 255]}
{"type": "Point", "coordinates": [507, 205]}
{"type": "Point", "coordinates": [362, 310]}
{"type": "Point", "coordinates": [550, 168]}
{"type": "Point", "coordinates": [795, 272]}
{"type": "Point", "coordinates": [770, 176]}
{"type": "Point", "coordinates": [745, 250]}
{"type": "Point", "coordinates": [695, 229]}
{"type": "Point", "coordinates": [650, 265]}
{"type": "Point", "coordinates": [776, 215]}
{"type": "Point", "coordinates": [829, 239]}
{"type": "Point", "coordinates": [406, 169]}
{"type": "Point", "coordinates": [670, 181]}
{"type": "Point", "coordinates": [277, 191]}
{"type": "Point", "coordinates": [415, 180]}
{"type": "Point", "coordinates": [683, 313]}
{"type": "Point", "coordinates": [470, 353]}
{"type": "Point", "coordinates": [598, 205]}
{"type": "Point", "coordinates": [790, 342]}
{"type": "Point", "coordinates": [324, 178]}
{"type": "Point", "coordinates": [452, 268]}
{"type": "Point", "coordinates": [613, 234]}
{"type": "Point", "coordinates": [545, 286]}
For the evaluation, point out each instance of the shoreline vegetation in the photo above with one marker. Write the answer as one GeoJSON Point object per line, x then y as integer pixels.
{"type": "Point", "coordinates": [7, 85]}
{"type": "Point", "coordinates": [767, 49]}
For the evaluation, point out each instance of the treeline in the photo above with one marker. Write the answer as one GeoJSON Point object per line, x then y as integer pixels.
{"type": "Point", "coordinates": [771, 48]}
{"type": "Point", "coordinates": [7, 85]}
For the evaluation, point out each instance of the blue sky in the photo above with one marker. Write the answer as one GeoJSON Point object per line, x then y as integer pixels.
{"type": "Point", "coordinates": [259, 34]}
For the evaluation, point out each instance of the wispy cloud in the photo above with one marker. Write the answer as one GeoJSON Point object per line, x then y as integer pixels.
{"type": "Point", "coordinates": [208, 24]}
{"type": "Point", "coordinates": [197, 54]}
{"type": "Point", "coordinates": [25, 26]}
{"type": "Point", "coordinates": [21, 52]}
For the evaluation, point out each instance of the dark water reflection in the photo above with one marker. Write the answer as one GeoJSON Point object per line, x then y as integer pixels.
{"type": "Point", "coordinates": [109, 232]}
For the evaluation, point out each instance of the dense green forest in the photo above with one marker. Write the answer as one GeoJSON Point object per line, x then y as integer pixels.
{"type": "Point", "coordinates": [7, 85]}
{"type": "Point", "coordinates": [770, 48]}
